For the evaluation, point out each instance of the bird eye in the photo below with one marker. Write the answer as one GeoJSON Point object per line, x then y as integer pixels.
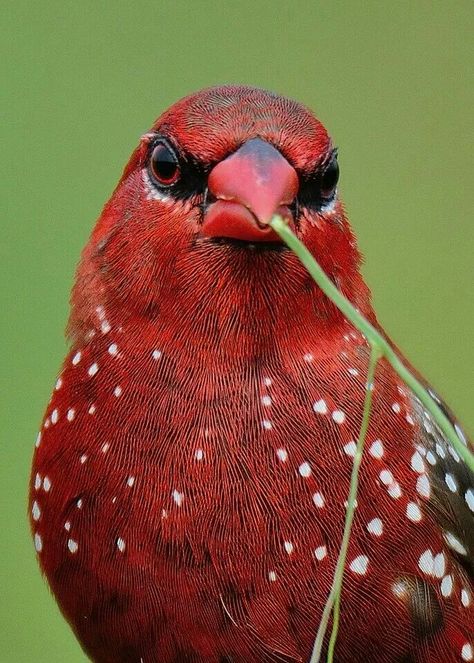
{"type": "Point", "coordinates": [164, 164]}
{"type": "Point", "coordinates": [319, 188]}
{"type": "Point", "coordinates": [330, 177]}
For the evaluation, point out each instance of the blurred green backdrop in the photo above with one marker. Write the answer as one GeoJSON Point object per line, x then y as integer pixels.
{"type": "Point", "coordinates": [83, 80]}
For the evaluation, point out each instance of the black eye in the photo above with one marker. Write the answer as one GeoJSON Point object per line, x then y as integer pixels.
{"type": "Point", "coordinates": [164, 164]}
{"type": "Point", "coordinates": [330, 177]}
{"type": "Point", "coordinates": [319, 187]}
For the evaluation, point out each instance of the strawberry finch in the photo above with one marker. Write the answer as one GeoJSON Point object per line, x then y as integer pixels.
{"type": "Point", "coordinates": [188, 489]}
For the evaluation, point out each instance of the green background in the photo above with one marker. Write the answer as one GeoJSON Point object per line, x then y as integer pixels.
{"type": "Point", "coordinates": [85, 79]}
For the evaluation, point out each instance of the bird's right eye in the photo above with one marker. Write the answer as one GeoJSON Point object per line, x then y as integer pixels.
{"type": "Point", "coordinates": [164, 164]}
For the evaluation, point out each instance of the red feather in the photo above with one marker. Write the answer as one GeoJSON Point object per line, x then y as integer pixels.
{"type": "Point", "coordinates": [189, 482]}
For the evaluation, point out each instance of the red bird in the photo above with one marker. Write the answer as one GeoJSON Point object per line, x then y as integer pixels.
{"type": "Point", "coordinates": [188, 488]}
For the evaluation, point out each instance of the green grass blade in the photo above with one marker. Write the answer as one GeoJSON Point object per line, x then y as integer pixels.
{"type": "Point", "coordinates": [372, 336]}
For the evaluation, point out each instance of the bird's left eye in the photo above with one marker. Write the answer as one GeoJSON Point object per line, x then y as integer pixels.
{"type": "Point", "coordinates": [330, 177]}
{"type": "Point", "coordinates": [164, 164]}
{"type": "Point", "coordinates": [319, 188]}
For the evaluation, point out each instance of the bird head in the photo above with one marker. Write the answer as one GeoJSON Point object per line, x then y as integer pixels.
{"type": "Point", "coordinates": [188, 223]}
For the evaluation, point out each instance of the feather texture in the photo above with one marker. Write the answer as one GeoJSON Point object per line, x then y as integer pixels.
{"type": "Point", "coordinates": [189, 482]}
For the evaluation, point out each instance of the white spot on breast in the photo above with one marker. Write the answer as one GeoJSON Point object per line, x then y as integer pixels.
{"type": "Point", "coordinates": [454, 453]}
{"type": "Point", "coordinates": [38, 542]}
{"type": "Point", "coordinates": [304, 469]}
{"type": "Point", "coordinates": [423, 486]}
{"type": "Point", "coordinates": [396, 408]}
{"type": "Point", "coordinates": [38, 440]}
{"type": "Point", "coordinates": [413, 512]}
{"type": "Point", "coordinates": [375, 527]}
{"type": "Point", "coordinates": [440, 450]}
{"type": "Point", "coordinates": [426, 562]}
{"type": "Point", "coordinates": [272, 576]}
{"type": "Point", "coordinates": [112, 349]}
{"type": "Point", "coordinates": [105, 327]}
{"type": "Point", "coordinates": [394, 490]}
{"type": "Point", "coordinates": [79, 503]}
{"type": "Point", "coordinates": [399, 589]}
{"type": "Point", "coordinates": [282, 455]}
{"type": "Point", "coordinates": [54, 416]}
{"type": "Point", "coordinates": [37, 481]}
{"type": "Point", "coordinates": [77, 358]}
{"type": "Point", "coordinates": [120, 544]}
{"type": "Point", "coordinates": [70, 414]}
{"type": "Point", "coordinates": [320, 407]}
{"type": "Point", "coordinates": [288, 547]}
{"type": "Point", "coordinates": [430, 457]}
{"type": "Point", "coordinates": [353, 371]}
{"type": "Point", "coordinates": [434, 396]}
{"type": "Point", "coordinates": [376, 449]}
{"type": "Point", "coordinates": [36, 511]}
{"type": "Point", "coordinates": [59, 384]}
{"type": "Point", "coordinates": [318, 500]}
{"type": "Point", "coordinates": [338, 416]}
{"type": "Point", "coordinates": [92, 409]}
{"type": "Point", "coordinates": [466, 652]}
{"type": "Point", "coordinates": [447, 586]}
{"type": "Point", "coordinates": [428, 427]}
{"type": "Point", "coordinates": [72, 546]}
{"type": "Point", "coordinates": [156, 354]}
{"type": "Point", "coordinates": [67, 525]}
{"type": "Point", "coordinates": [386, 477]}
{"type": "Point", "coordinates": [460, 434]}
{"type": "Point", "coordinates": [469, 497]}
{"type": "Point", "coordinates": [451, 482]}
{"type": "Point", "coordinates": [439, 565]}
{"type": "Point", "coordinates": [266, 401]}
{"type": "Point", "coordinates": [350, 448]}
{"type": "Point", "coordinates": [267, 382]}
{"type": "Point", "coordinates": [417, 463]}
{"type": "Point", "coordinates": [199, 454]}
{"type": "Point", "coordinates": [409, 420]}
{"type": "Point", "coordinates": [93, 369]}
{"type": "Point", "coordinates": [100, 312]}
{"type": "Point", "coordinates": [308, 357]}
{"type": "Point", "coordinates": [177, 497]}
{"type": "Point", "coordinates": [105, 447]}
{"type": "Point", "coordinates": [47, 484]}
{"type": "Point", "coordinates": [465, 597]}
{"type": "Point", "coordinates": [130, 481]}
{"type": "Point", "coordinates": [320, 553]}
{"type": "Point", "coordinates": [118, 391]}
{"type": "Point", "coordinates": [359, 565]}
{"type": "Point", "coordinates": [266, 424]}
{"type": "Point", "coordinates": [83, 459]}
{"type": "Point", "coordinates": [454, 543]}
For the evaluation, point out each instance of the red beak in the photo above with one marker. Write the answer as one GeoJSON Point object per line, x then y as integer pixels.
{"type": "Point", "coordinates": [250, 186]}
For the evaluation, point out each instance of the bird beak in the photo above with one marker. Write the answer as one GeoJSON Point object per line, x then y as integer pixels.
{"type": "Point", "coordinates": [247, 189]}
